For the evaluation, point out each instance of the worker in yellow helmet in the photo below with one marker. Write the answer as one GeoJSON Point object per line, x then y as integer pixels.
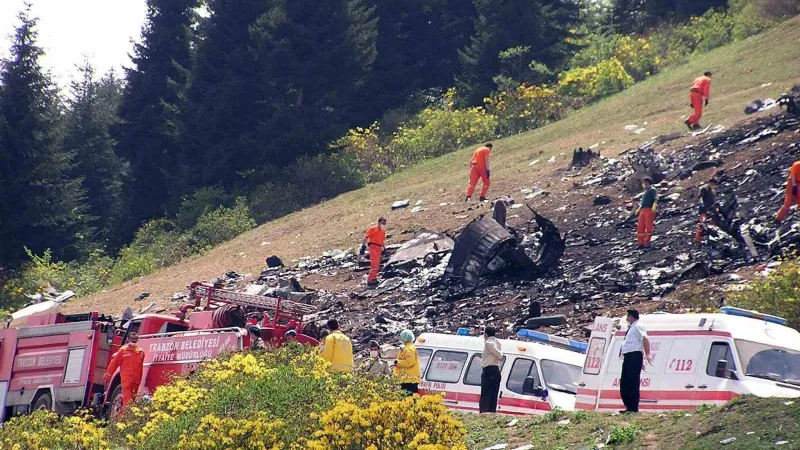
{"type": "Point", "coordinates": [338, 350]}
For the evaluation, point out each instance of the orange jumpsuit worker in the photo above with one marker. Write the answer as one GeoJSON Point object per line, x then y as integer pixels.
{"type": "Point", "coordinates": [792, 196]}
{"type": "Point", "coordinates": [375, 238]}
{"type": "Point", "coordinates": [701, 88]}
{"type": "Point", "coordinates": [130, 359]}
{"type": "Point", "coordinates": [647, 214]}
{"type": "Point", "coordinates": [479, 169]}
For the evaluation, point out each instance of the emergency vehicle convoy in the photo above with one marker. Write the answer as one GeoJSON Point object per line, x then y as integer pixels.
{"type": "Point", "coordinates": [536, 377]}
{"type": "Point", "coordinates": [697, 359]}
{"type": "Point", "coordinates": [57, 361]}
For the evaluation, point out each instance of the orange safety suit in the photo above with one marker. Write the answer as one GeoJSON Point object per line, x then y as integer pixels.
{"type": "Point", "coordinates": [792, 198]}
{"type": "Point", "coordinates": [647, 217]}
{"type": "Point", "coordinates": [376, 238]}
{"type": "Point", "coordinates": [701, 88]}
{"type": "Point", "coordinates": [479, 170]}
{"type": "Point", "coordinates": [130, 361]}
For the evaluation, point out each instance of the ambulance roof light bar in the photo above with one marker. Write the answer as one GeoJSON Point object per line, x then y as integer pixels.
{"type": "Point", "coordinates": [730, 310]}
{"type": "Point", "coordinates": [569, 344]}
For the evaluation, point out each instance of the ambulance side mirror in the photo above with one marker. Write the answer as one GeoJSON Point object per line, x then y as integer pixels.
{"type": "Point", "coordinates": [529, 387]}
{"type": "Point", "coordinates": [722, 370]}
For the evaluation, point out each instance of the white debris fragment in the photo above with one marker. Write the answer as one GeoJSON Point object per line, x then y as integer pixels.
{"type": "Point", "coordinates": [551, 160]}
{"type": "Point", "coordinates": [533, 163]}
{"type": "Point", "coordinates": [730, 440]}
{"type": "Point", "coordinates": [512, 423]}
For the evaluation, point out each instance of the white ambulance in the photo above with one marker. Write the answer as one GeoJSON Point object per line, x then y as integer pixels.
{"type": "Point", "coordinates": [536, 377]}
{"type": "Point", "coordinates": [698, 359]}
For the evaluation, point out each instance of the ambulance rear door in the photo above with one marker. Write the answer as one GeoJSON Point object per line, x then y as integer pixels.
{"type": "Point", "coordinates": [594, 365]}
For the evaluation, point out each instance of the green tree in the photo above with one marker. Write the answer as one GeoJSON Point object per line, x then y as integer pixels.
{"type": "Point", "coordinates": [316, 56]}
{"type": "Point", "coordinates": [92, 111]}
{"type": "Point", "coordinates": [226, 101]}
{"type": "Point", "coordinates": [147, 132]}
{"type": "Point", "coordinates": [541, 25]}
{"type": "Point", "coordinates": [417, 49]}
{"type": "Point", "coordinates": [41, 206]}
{"type": "Point", "coordinates": [630, 16]}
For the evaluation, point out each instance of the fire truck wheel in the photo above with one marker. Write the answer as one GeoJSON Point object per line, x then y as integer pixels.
{"type": "Point", "coordinates": [43, 402]}
{"type": "Point", "coordinates": [115, 404]}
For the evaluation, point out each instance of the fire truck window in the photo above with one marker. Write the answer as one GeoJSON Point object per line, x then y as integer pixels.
{"type": "Point", "coordinates": [720, 350]}
{"type": "Point", "coordinates": [133, 327]}
{"type": "Point", "coordinates": [473, 375]}
{"type": "Point", "coordinates": [424, 356]}
{"type": "Point", "coordinates": [174, 327]}
{"type": "Point", "coordinates": [446, 366]}
{"type": "Point", "coordinates": [522, 368]}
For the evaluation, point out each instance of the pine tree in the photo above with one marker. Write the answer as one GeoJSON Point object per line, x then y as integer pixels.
{"type": "Point", "coordinates": [147, 132]}
{"type": "Point", "coordinates": [316, 56]}
{"type": "Point", "coordinates": [225, 101]}
{"type": "Point", "coordinates": [542, 25]}
{"type": "Point", "coordinates": [417, 49]}
{"type": "Point", "coordinates": [41, 206]}
{"type": "Point", "coordinates": [92, 112]}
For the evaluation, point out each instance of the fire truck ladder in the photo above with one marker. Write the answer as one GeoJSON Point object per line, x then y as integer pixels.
{"type": "Point", "coordinates": [200, 291]}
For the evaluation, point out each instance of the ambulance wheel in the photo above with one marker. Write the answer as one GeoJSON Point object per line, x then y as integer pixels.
{"type": "Point", "coordinates": [115, 404]}
{"type": "Point", "coordinates": [43, 403]}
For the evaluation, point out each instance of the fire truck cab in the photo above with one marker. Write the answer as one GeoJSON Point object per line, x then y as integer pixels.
{"type": "Point", "coordinates": [697, 359]}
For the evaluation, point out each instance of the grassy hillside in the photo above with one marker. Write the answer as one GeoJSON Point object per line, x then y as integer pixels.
{"type": "Point", "coordinates": [743, 418]}
{"type": "Point", "coordinates": [661, 101]}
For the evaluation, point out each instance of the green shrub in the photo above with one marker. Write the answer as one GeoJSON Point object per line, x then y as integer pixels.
{"type": "Point", "coordinates": [200, 202]}
{"type": "Point", "coordinates": [271, 200]}
{"type": "Point", "coordinates": [325, 176]}
{"type": "Point", "coordinates": [157, 244]}
{"type": "Point", "coordinates": [777, 294]}
{"type": "Point", "coordinates": [623, 434]}
{"type": "Point", "coordinates": [222, 224]}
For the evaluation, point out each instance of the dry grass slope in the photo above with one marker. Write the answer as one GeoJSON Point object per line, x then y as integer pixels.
{"type": "Point", "coordinates": [661, 101]}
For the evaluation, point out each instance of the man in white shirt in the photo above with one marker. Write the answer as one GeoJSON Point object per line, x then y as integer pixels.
{"type": "Point", "coordinates": [490, 371]}
{"type": "Point", "coordinates": [635, 348]}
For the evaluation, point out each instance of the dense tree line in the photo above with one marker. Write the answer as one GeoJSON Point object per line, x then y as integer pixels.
{"type": "Point", "coordinates": [232, 99]}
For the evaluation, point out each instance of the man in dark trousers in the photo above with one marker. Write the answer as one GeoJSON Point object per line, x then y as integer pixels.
{"type": "Point", "coordinates": [709, 211]}
{"type": "Point", "coordinates": [490, 371]}
{"type": "Point", "coordinates": [635, 349]}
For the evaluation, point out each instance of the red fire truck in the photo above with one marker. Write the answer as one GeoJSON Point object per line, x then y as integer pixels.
{"type": "Point", "coordinates": [57, 361]}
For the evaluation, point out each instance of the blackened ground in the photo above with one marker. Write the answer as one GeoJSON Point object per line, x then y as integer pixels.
{"type": "Point", "coordinates": [601, 271]}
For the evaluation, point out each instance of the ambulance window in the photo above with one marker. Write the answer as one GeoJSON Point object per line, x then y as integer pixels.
{"type": "Point", "coordinates": [424, 356]}
{"type": "Point", "coordinates": [473, 375]}
{"type": "Point", "coordinates": [561, 377]}
{"type": "Point", "coordinates": [522, 368]}
{"type": "Point", "coordinates": [446, 366]}
{"type": "Point", "coordinates": [720, 350]}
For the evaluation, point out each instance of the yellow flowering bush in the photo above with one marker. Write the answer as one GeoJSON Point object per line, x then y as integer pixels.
{"type": "Point", "coordinates": [281, 399]}
{"type": "Point", "coordinates": [375, 158]}
{"type": "Point", "coordinates": [441, 130]}
{"type": "Point", "coordinates": [436, 130]}
{"type": "Point", "coordinates": [524, 108]}
{"type": "Point", "coordinates": [44, 430]}
{"type": "Point", "coordinates": [596, 81]}
{"type": "Point", "coordinates": [413, 423]}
